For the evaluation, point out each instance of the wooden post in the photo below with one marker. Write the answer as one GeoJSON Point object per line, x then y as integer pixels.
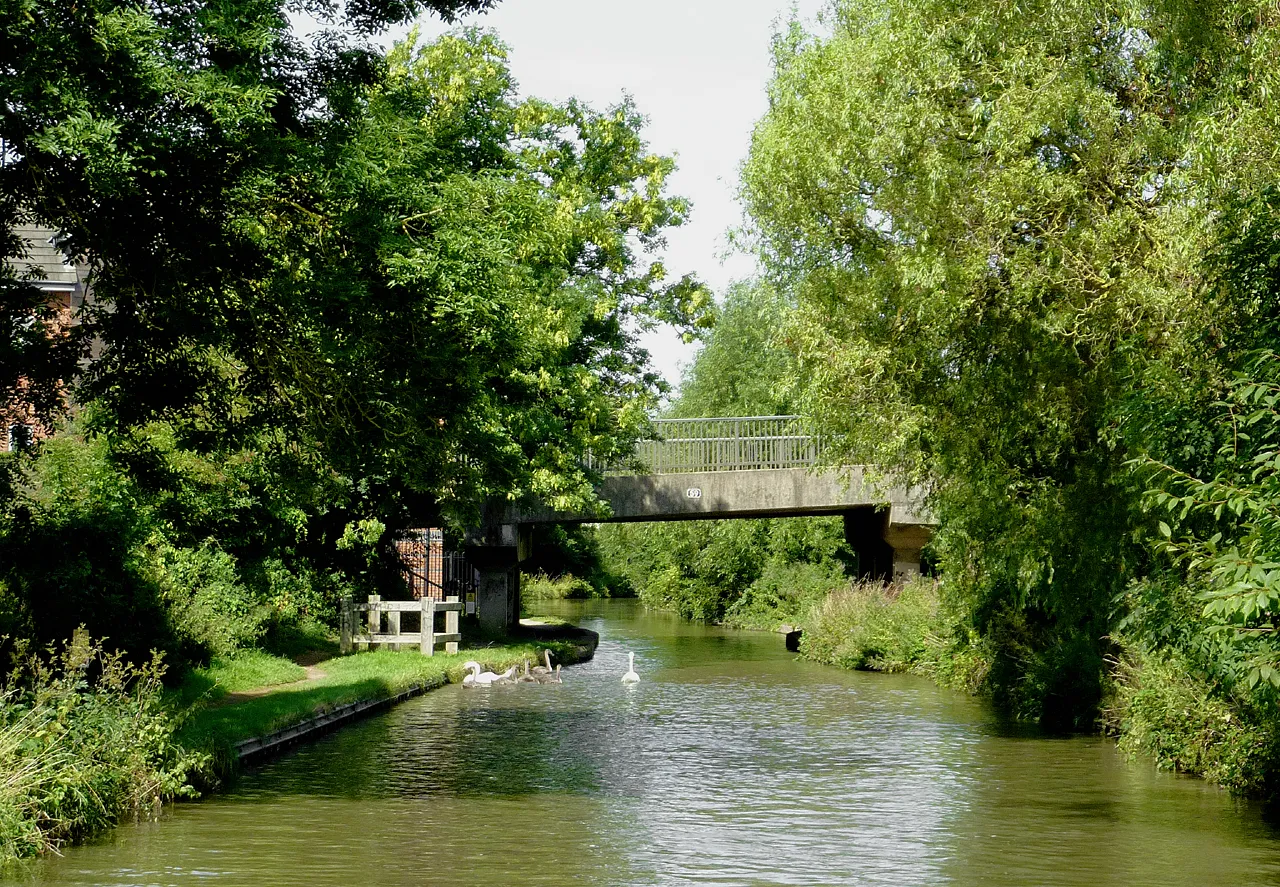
{"type": "Point", "coordinates": [393, 627]}
{"type": "Point", "coordinates": [428, 645]}
{"type": "Point", "coordinates": [451, 625]}
{"type": "Point", "coordinates": [347, 620]}
{"type": "Point", "coordinates": [375, 617]}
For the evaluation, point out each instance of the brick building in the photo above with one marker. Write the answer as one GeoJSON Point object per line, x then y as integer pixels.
{"type": "Point", "coordinates": [64, 284]}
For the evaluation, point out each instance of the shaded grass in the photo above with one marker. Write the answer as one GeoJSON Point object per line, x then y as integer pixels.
{"type": "Point", "coordinates": [246, 670]}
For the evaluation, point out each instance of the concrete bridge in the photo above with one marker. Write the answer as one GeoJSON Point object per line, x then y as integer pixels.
{"type": "Point", "coordinates": [704, 469]}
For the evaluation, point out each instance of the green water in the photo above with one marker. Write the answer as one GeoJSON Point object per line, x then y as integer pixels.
{"type": "Point", "coordinates": [730, 763]}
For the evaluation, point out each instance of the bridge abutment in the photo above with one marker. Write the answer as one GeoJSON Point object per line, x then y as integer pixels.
{"type": "Point", "coordinates": [886, 551]}
{"type": "Point", "coordinates": [496, 552]}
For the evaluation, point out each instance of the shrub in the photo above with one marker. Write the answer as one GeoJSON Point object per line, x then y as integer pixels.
{"type": "Point", "coordinates": [541, 587]}
{"type": "Point", "coordinates": [1163, 706]}
{"type": "Point", "coordinates": [84, 742]}
{"type": "Point", "coordinates": [784, 593]}
{"type": "Point", "coordinates": [211, 611]}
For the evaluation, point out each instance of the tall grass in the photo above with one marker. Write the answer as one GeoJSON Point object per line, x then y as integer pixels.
{"type": "Point", "coordinates": [85, 742]}
{"type": "Point", "coordinates": [541, 587]}
{"type": "Point", "coordinates": [894, 628]}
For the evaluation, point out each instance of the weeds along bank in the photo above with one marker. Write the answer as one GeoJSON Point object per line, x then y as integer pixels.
{"type": "Point", "coordinates": [88, 742]}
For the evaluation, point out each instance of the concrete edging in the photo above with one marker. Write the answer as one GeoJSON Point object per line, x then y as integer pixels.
{"type": "Point", "coordinates": [259, 748]}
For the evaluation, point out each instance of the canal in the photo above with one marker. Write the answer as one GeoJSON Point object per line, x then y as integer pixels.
{"type": "Point", "coordinates": [730, 763]}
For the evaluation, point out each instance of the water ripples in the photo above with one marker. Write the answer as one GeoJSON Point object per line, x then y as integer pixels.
{"type": "Point", "coordinates": [729, 763]}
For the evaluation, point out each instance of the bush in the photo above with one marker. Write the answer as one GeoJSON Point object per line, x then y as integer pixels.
{"type": "Point", "coordinates": [86, 742]}
{"type": "Point", "coordinates": [209, 608]}
{"type": "Point", "coordinates": [541, 587]}
{"type": "Point", "coordinates": [703, 569]}
{"type": "Point", "coordinates": [871, 626]}
{"type": "Point", "coordinates": [784, 593]}
{"type": "Point", "coordinates": [1162, 706]}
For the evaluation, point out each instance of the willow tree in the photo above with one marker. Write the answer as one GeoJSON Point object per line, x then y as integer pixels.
{"type": "Point", "coordinates": [993, 217]}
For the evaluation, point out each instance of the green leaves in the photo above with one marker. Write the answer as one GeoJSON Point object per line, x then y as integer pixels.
{"type": "Point", "coordinates": [994, 220]}
{"type": "Point", "coordinates": [1228, 527]}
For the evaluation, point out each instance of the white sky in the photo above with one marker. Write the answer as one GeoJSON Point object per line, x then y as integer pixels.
{"type": "Point", "coordinates": [696, 68]}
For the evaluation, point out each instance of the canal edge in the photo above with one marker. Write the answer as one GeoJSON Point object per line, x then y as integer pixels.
{"type": "Point", "coordinates": [259, 749]}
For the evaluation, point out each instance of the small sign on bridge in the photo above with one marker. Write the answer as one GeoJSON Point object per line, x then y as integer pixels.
{"type": "Point", "coordinates": [693, 493]}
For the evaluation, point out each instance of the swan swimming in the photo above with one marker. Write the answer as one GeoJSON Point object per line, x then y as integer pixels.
{"type": "Point", "coordinates": [544, 669]}
{"type": "Point", "coordinates": [631, 677]}
{"type": "Point", "coordinates": [480, 678]}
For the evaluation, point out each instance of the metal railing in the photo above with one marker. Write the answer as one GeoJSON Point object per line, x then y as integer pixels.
{"type": "Point", "coordinates": [742, 443]}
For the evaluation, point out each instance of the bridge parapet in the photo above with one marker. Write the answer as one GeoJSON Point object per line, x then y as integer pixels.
{"type": "Point", "coordinates": [699, 469]}
{"type": "Point", "coordinates": [740, 443]}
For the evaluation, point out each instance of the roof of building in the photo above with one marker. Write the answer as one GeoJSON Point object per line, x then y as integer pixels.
{"type": "Point", "coordinates": [52, 270]}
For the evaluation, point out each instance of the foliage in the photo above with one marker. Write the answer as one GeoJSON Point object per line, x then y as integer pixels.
{"type": "Point", "coordinates": [193, 564]}
{"type": "Point", "coordinates": [1228, 527]}
{"type": "Point", "coordinates": [871, 626]}
{"type": "Point", "coordinates": [784, 592]}
{"type": "Point", "coordinates": [85, 740]}
{"type": "Point", "coordinates": [572, 552]}
{"type": "Point", "coordinates": [742, 369]}
{"type": "Point", "coordinates": [541, 587]}
{"type": "Point", "coordinates": [995, 221]}
{"type": "Point", "coordinates": [1165, 707]}
{"type": "Point", "coordinates": [907, 627]}
{"type": "Point", "coordinates": [750, 572]}
{"type": "Point", "coordinates": [392, 265]}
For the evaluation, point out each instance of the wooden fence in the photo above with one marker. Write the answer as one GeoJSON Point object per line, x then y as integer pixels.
{"type": "Point", "coordinates": [379, 622]}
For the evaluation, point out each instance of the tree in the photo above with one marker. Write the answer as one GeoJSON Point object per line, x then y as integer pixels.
{"type": "Point", "coordinates": [743, 368]}
{"type": "Point", "coordinates": [338, 293]}
{"type": "Point", "coordinates": [994, 220]}
{"type": "Point", "coordinates": [433, 318]}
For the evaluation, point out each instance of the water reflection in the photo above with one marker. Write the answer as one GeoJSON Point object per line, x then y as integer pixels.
{"type": "Point", "coordinates": [730, 763]}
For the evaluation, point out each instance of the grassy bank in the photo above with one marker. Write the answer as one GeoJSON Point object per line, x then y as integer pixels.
{"type": "Point", "coordinates": [894, 628]}
{"type": "Point", "coordinates": [213, 729]}
{"type": "Point", "coordinates": [92, 740]}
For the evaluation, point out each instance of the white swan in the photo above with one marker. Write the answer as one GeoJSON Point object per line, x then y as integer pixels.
{"type": "Point", "coordinates": [481, 678]}
{"type": "Point", "coordinates": [541, 669]}
{"type": "Point", "coordinates": [631, 677]}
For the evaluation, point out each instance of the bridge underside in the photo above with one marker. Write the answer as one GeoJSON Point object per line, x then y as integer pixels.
{"type": "Point", "coordinates": [884, 525]}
